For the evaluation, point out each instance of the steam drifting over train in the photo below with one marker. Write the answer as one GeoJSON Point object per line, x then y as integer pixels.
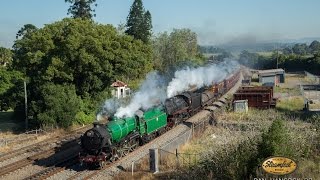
{"type": "Point", "coordinates": [144, 118]}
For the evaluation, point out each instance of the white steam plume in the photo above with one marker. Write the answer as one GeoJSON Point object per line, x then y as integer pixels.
{"type": "Point", "coordinates": [109, 107]}
{"type": "Point", "coordinates": [201, 76]}
{"type": "Point", "coordinates": [151, 92]}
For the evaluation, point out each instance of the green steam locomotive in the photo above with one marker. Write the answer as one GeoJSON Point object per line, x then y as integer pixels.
{"type": "Point", "coordinates": [120, 136]}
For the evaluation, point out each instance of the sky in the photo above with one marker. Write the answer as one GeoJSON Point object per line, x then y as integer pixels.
{"type": "Point", "coordinates": [216, 22]}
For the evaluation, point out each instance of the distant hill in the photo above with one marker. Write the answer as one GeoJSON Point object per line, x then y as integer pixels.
{"type": "Point", "coordinates": [261, 46]}
{"type": "Point", "coordinates": [306, 40]}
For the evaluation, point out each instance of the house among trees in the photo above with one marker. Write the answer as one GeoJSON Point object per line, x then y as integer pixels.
{"type": "Point", "coordinates": [120, 90]}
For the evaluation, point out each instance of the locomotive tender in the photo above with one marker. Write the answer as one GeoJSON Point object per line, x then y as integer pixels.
{"type": "Point", "coordinates": [120, 136]}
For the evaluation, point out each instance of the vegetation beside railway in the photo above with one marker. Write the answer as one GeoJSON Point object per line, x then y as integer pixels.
{"type": "Point", "coordinates": [233, 154]}
{"type": "Point", "coordinates": [70, 64]}
{"type": "Point", "coordinates": [229, 152]}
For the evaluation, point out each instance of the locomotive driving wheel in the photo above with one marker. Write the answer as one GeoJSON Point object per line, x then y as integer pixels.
{"type": "Point", "coordinates": [133, 144]}
{"type": "Point", "coordinates": [126, 149]}
{"type": "Point", "coordinates": [116, 155]}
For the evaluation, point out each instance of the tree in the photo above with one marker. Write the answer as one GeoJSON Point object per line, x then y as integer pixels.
{"type": "Point", "coordinates": [314, 47]}
{"type": "Point", "coordinates": [174, 49]}
{"type": "Point", "coordinates": [287, 51]}
{"type": "Point", "coordinates": [275, 142]}
{"type": "Point", "coordinates": [121, 28]}
{"type": "Point", "coordinates": [5, 57]}
{"type": "Point", "coordinates": [300, 49]}
{"type": "Point", "coordinates": [60, 106]}
{"type": "Point", "coordinates": [139, 22]}
{"type": "Point", "coordinates": [147, 23]}
{"type": "Point", "coordinates": [249, 59]}
{"type": "Point", "coordinates": [11, 89]}
{"type": "Point", "coordinates": [80, 53]}
{"type": "Point", "coordinates": [81, 8]}
{"type": "Point", "coordinates": [26, 30]}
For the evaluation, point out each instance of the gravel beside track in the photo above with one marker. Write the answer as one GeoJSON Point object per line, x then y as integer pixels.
{"type": "Point", "coordinates": [37, 157]}
{"type": "Point", "coordinates": [23, 172]}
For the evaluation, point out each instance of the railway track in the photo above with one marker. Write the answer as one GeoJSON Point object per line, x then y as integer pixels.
{"type": "Point", "coordinates": [35, 147]}
{"type": "Point", "coordinates": [41, 151]}
{"type": "Point", "coordinates": [24, 162]}
{"type": "Point", "coordinates": [50, 162]}
{"type": "Point", "coordinates": [56, 168]}
{"type": "Point", "coordinates": [32, 147]}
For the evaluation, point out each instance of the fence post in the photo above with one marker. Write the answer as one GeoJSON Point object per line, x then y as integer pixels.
{"type": "Point", "coordinates": [177, 159]}
{"type": "Point", "coordinates": [192, 130]}
{"type": "Point", "coordinates": [132, 167]}
{"type": "Point", "coordinates": [154, 160]}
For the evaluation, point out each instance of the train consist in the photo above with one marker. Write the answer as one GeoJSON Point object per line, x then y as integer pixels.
{"type": "Point", "coordinates": [108, 142]}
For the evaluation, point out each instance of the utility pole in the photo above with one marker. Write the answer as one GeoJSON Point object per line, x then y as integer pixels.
{"type": "Point", "coordinates": [277, 57]}
{"type": "Point", "coordinates": [26, 103]}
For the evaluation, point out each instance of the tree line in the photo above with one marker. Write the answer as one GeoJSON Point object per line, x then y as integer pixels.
{"type": "Point", "coordinates": [299, 57]}
{"type": "Point", "coordinates": [70, 64]}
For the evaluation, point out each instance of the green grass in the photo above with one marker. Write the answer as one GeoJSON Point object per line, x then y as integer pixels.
{"type": "Point", "coordinates": [290, 104]}
{"type": "Point", "coordinates": [290, 91]}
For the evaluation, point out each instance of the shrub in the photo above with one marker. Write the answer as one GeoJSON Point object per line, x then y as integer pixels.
{"type": "Point", "coordinates": [59, 106]}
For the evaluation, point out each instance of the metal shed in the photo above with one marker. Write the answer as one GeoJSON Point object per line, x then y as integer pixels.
{"type": "Point", "coordinates": [240, 106]}
{"type": "Point", "coordinates": [271, 76]}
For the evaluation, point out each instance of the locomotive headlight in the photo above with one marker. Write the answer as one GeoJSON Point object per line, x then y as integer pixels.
{"type": "Point", "coordinates": [90, 134]}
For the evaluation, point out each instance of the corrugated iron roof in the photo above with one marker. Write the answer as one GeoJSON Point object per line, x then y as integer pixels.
{"type": "Point", "coordinates": [270, 71]}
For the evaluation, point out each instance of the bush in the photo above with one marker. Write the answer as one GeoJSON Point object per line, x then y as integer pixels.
{"type": "Point", "coordinates": [59, 106]}
{"type": "Point", "coordinates": [276, 141]}
{"type": "Point", "coordinates": [83, 118]}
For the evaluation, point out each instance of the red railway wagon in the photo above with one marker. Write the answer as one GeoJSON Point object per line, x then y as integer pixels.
{"type": "Point", "coordinates": [257, 89]}
{"type": "Point", "coordinates": [231, 81]}
{"type": "Point", "coordinates": [258, 97]}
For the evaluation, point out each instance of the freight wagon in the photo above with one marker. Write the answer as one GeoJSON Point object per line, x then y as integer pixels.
{"type": "Point", "coordinates": [258, 97]}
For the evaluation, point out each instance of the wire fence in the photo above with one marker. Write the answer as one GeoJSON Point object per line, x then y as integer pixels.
{"type": "Point", "coordinates": [27, 136]}
{"type": "Point", "coordinates": [314, 78]}
{"type": "Point", "coordinates": [169, 156]}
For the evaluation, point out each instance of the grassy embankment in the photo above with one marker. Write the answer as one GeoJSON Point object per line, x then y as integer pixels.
{"type": "Point", "coordinates": [234, 154]}
{"type": "Point", "coordinates": [228, 153]}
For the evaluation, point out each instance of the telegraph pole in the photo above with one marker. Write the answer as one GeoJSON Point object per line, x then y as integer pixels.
{"type": "Point", "coordinates": [26, 103]}
{"type": "Point", "coordinates": [277, 57]}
